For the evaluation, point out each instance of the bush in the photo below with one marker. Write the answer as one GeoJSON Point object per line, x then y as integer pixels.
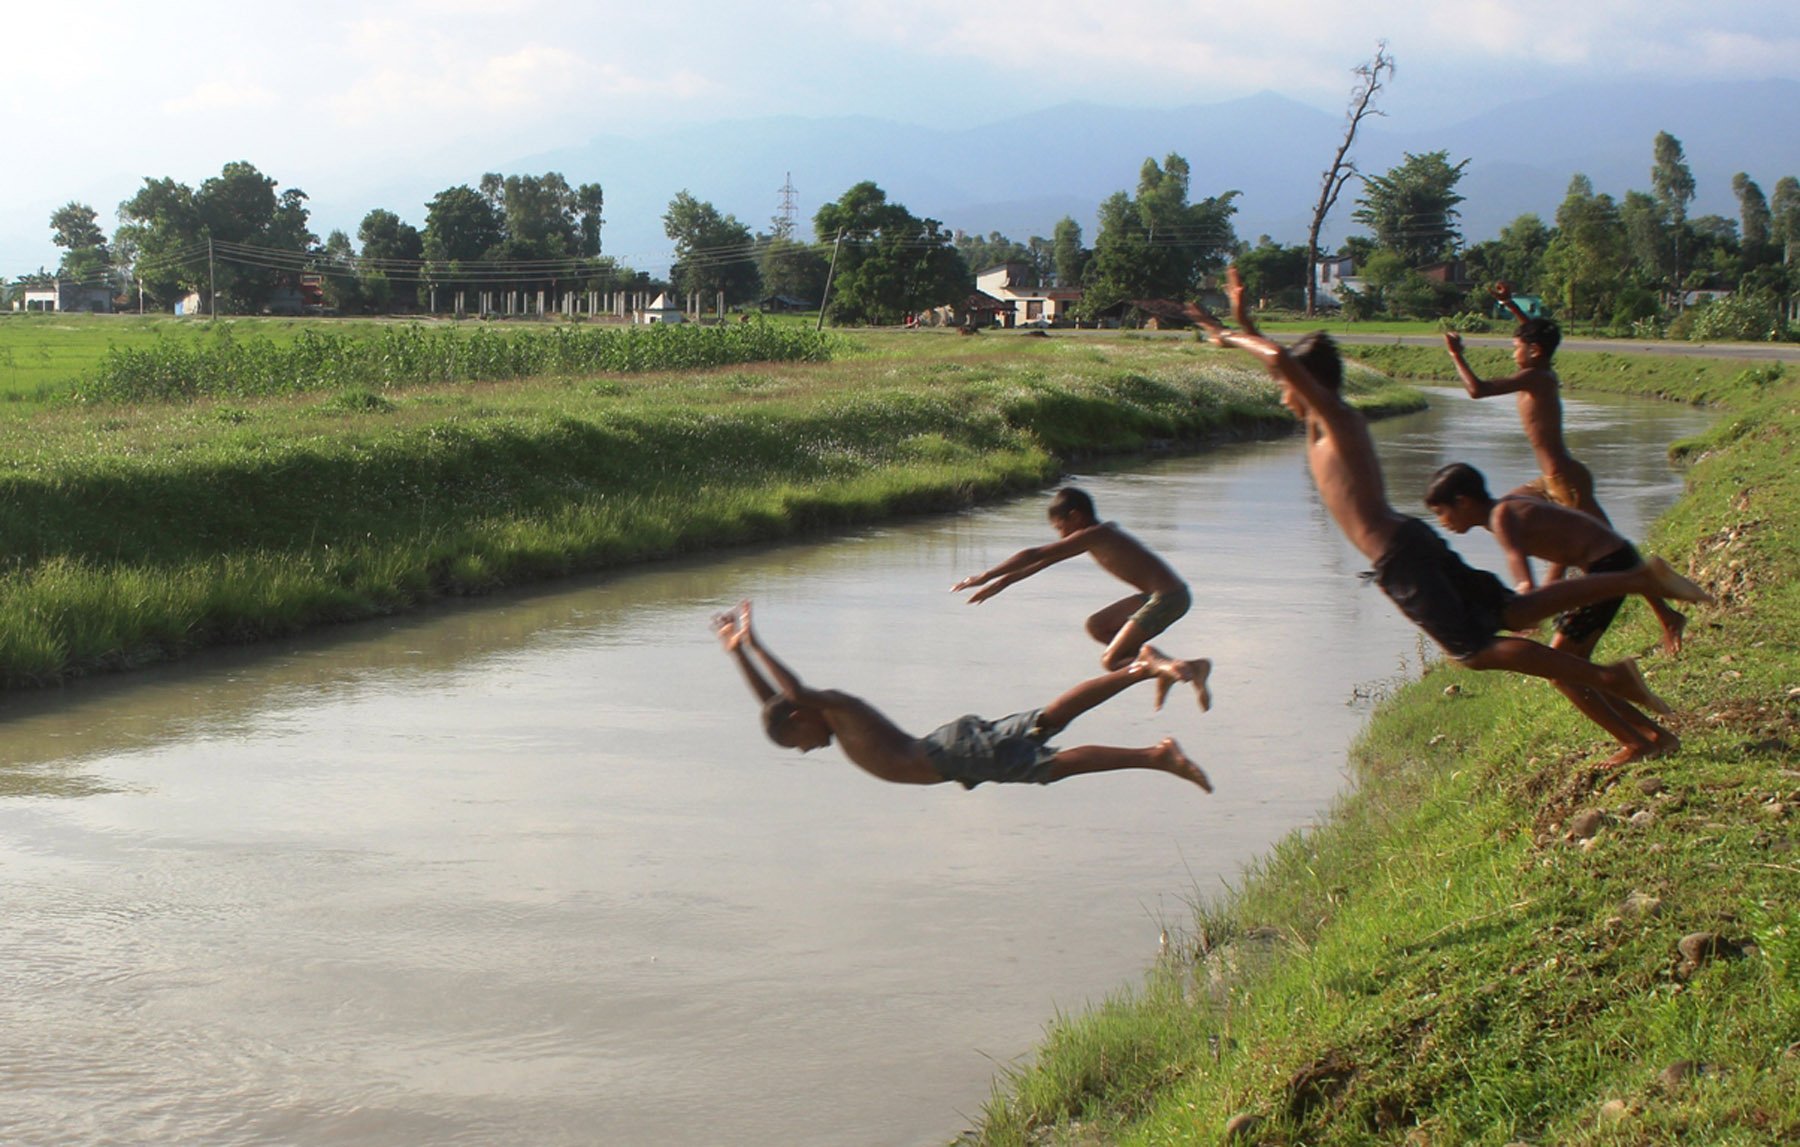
{"type": "Point", "coordinates": [1745, 317]}
{"type": "Point", "coordinates": [1468, 322]}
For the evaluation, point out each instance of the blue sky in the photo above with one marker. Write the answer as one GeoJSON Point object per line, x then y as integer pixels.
{"type": "Point", "coordinates": [334, 95]}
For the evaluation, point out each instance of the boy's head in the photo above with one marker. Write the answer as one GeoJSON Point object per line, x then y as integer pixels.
{"type": "Point", "coordinates": [1535, 342]}
{"type": "Point", "coordinates": [1318, 353]}
{"type": "Point", "coordinates": [1458, 495]}
{"type": "Point", "coordinates": [1072, 509]}
{"type": "Point", "coordinates": [795, 726]}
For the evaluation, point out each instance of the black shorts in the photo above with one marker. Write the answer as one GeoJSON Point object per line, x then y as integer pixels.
{"type": "Point", "coordinates": [1592, 620]}
{"type": "Point", "coordinates": [1460, 608]}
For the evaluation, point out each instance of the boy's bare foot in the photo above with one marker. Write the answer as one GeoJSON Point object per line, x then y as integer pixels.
{"type": "Point", "coordinates": [1199, 669]}
{"type": "Point", "coordinates": [1674, 624]}
{"type": "Point", "coordinates": [1668, 583]}
{"type": "Point", "coordinates": [1171, 759]}
{"type": "Point", "coordinates": [1663, 743]}
{"type": "Point", "coordinates": [1629, 683]}
{"type": "Point", "coordinates": [1628, 754]}
{"type": "Point", "coordinates": [1167, 670]}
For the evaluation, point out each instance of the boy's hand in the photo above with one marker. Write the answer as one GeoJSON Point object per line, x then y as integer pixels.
{"type": "Point", "coordinates": [983, 594]}
{"type": "Point", "coordinates": [733, 626]}
{"type": "Point", "coordinates": [1453, 342]}
{"type": "Point", "coordinates": [1503, 290]}
{"type": "Point", "coordinates": [972, 579]}
{"type": "Point", "coordinates": [1240, 300]}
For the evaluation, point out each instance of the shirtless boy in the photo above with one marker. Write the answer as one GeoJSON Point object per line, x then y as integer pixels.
{"type": "Point", "coordinates": [1528, 527]}
{"type": "Point", "coordinates": [1125, 625]}
{"type": "Point", "coordinates": [1564, 479]}
{"type": "Point", "coordinates": [1462, 609]}
{"type": "Point", "coordinates": [968, 750]}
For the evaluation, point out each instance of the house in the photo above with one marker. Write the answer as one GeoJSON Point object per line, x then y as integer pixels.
{"type": "Point", "coordinates": [786, 305]}
{"type": "Point", "coordinates": [1532, 305]}
{"type": "Point", "coordinates": [65, 296]}
{"type": "Point", "coordinates": [1334, 273]}
{"type": "Point", "coordinates": [1030, 306]}
{"type": "Point", "coordinates": [661, 310]}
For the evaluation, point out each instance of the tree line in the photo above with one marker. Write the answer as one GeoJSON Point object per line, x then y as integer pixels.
{"type": "Point", "coordinates": [1631, 265]}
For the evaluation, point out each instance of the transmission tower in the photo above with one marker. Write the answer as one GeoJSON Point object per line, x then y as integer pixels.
{"type": "Point", "coordinates": [788, 217]}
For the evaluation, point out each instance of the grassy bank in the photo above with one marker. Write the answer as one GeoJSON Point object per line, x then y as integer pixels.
{"type": "Point", "coordinates": [136, 532]}
{"type": "Point", "coordinates": [1493, 940]}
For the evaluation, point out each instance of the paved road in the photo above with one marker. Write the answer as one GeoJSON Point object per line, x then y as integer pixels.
{"type": "Point", "coordinates": [1761, 352]}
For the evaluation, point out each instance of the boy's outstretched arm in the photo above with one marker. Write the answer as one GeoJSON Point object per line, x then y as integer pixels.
{"type": "Point", "coordinates": [786, 683]}
{"type": "Point", "coordinates": [1272, 354]}
{"type": "Point", "coordinates": [733, 628]}
{"type": "Point", "coordinates": [1025, 563]}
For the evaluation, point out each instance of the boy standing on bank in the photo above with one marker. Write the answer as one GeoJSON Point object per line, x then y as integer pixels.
{"type": "Point", "coordinates": [969, 750]}
{"type": "Point", "coordinates": [1564, 480]}
{"type": "Point", "coordinates": [1124, 626]}
{"type": "Point", "coordinates": [1464, 610]}
{"type": "Point", "coordinates": [1529, 527]}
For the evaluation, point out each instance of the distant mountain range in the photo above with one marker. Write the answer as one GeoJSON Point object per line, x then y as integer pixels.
{"type": "Point", "coordinates": [1019, 176]}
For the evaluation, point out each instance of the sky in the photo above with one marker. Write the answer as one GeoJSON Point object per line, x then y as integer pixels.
{"type": "Point", "coordinates": [337, 95]}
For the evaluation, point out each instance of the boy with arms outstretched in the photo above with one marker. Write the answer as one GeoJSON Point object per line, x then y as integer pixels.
{"type": "Point", "coordinates": [1528, 527]}
{"type": "Point", "coordinates": [968, 750]}
{"type": "Point", "coordinates": [1462, 609]}
{"type": "Point", "coordinates": [1564, 481]}
{"type": "Point", "coordinates": [1125, 625]}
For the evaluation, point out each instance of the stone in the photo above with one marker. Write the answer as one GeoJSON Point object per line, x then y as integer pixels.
{"type": "Point", "coordinates": [1614, 1110]}
{"type": "Point", "coordinates": [1586, 823]}
{"type": "Point", "coordinates": [1678, 1073]}
{"type": "Point", "coordinates": [1696, 948]}
{"type": "Point", "coordinates": [1650, 786]}
{"type": "Point", "coordinates": [1643, 818]}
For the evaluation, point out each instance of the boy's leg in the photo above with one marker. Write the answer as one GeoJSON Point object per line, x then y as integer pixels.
{"type": "Point", "coordinates": [1652, 579]}
{"type": "Point", "coordinates": [1639, 737]}
{"type": "Point", "coordinates": [1165, 757]}
{"type": "Point", "coordinates": [1518, 655]}
{"type": "Point", "coordinates": [1112, 628]}
{"type": "Point", "coordinates": [1672, 621]}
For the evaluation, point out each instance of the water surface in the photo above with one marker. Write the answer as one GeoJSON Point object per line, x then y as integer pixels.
{"type": "Point", "coordinates": [524, 871]}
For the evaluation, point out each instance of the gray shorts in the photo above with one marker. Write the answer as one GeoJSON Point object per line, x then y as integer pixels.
{"type": "Point", "coordinates": [1012, 750]}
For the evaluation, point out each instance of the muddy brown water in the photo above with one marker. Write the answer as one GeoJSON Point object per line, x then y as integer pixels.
{"type": "Point", "coordinates": [523, 870]}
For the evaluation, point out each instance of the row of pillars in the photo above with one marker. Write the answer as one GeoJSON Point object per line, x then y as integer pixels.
{"type": "Point", "coordinates": [569, 304]}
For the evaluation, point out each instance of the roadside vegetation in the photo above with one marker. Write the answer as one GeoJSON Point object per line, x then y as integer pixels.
{"type": "Point", "coordinates": [1493, 939]}
{"type": "Point", "coordinates": [137, 531]}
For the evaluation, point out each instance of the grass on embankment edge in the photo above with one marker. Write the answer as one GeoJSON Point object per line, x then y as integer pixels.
{"type": "Point", "coordinates": [138, 533]}
{"type": "Point", "coordinates": [1459, 955]}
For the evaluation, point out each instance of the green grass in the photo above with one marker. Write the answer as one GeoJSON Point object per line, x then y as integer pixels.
{"type": "Point", "coordinates": [140, 531]}
{"type": "Point", "coordinates": [1441, 962]}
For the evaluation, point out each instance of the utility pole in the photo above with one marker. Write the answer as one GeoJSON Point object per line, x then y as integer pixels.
{"type": "Point", "coordinates": [212, 282]}
{"type": "Point", "coordinates": [789, 207]}
{"type": "Point", "coordinates": [829, 272]}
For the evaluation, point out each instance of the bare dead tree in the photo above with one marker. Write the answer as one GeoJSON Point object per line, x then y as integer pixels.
{"type": "Point", "coordinates": [1371, 77]}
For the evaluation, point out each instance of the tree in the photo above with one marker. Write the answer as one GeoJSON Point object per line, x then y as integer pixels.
{"type": "Point", "coordinates": [1582, 263]}
{"type": "Point", "coordinates": [713, 252]}
{"type": "Point", "coordinates": [1754, 218]}
{"type": "Point", "coordinates": [982, 253]}
{"type": "Point", "coordinates": [1515, 257]}
{"type": "Point", "coordinates": [251, 236]}
{"type": "Point", "coordinates": [1412, 209]}
{"type": "Point", "coordinates": [889, 263]}
{"type": "Point", "coordinates": [1157, 245]}
{"type": "Point", "coordinates": [1673, 185]}
{"type": "Point", "coordinates": [1069, 255]}
{"type": "Point", "coordinates": [1274, 273]}
{"type": "Point", "coordinates": [791, 269]}
{"type": "Point", "coordinates": [1370, 78]}
{"type": "Point", "coordinates": [75, 228]}
{"type": "Point", "coordinates": [461, 227]}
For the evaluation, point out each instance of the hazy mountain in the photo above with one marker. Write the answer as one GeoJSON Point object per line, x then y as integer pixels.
{"type": "Point", "coordinates": [1020, 175]}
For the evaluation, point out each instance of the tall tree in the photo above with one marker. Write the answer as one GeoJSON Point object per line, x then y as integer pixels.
{"type": "Point", "coordinates": [1412, 208]}
{"type": "Point", "coordinates": [791, 269]}
{"type": "Point", "coordinates": [172, 229]}
{"type": "Point", "coordinates": [1753, 217]}
{"type": "Point", "coordinates": [713, 252]}
{"type": "Point", "coordinates": [1582, 263]}
{"type": "Point", "coordinates": [889, 262]}
{"type": "Point", "coordinates": [1673, 185]}
{"type": "Point", "coordinates": [1371, 76]}
{"type": "Point", "coordinates": [1068, 252]}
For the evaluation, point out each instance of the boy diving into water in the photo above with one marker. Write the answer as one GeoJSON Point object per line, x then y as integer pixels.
{"type": "Point", "coordinates": [969, 750]}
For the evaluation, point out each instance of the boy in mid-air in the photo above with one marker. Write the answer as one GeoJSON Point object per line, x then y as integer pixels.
{"type": "Point", "coordinates": [1125, 625]}
{"type": "Point", "coordinates": [968, 750]}
{"type": "Point", "coordinates": [1564, 480]}
{"type": "Point", "coordinates": [1528, 527]}
{"type": "Point", "coordinates": [1462, 609]}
